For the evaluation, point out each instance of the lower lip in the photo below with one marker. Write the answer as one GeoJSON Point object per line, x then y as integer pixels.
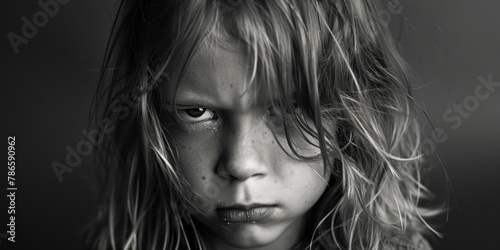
{"type": "Point", "coordinates": [253, 215]}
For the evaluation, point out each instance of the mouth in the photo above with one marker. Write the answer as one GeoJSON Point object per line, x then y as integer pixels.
{"type": "Point", "coordinates": [252, 213]}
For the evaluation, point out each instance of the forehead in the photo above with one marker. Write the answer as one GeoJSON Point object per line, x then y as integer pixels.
{"type": "Point", "coordinates": [217, 75]}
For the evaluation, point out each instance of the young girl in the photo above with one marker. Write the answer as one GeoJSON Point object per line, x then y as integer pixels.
{"type": "Point", "coordinates": [279, 124]}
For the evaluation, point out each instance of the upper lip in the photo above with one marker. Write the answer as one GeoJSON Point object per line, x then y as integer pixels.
{"type": "Point", "coordinates": [246, 206]}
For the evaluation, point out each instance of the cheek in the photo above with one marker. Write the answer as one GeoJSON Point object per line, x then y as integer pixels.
{"type": "Point", "coordinates": [305, 181]}
{"type": "Point", "coordinates": [196, 151]}
{"type": "Point", "coordinates": [197, 159]}
{"type": "Point", "coordinates": [304, 144]}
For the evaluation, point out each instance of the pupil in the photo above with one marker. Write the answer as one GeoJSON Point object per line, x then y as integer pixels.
{"type": "Point", "coordinates": [195, 112]}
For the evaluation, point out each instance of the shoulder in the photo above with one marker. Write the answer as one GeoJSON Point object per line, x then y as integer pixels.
{"type": "Point", "coordinates": [415, 242]}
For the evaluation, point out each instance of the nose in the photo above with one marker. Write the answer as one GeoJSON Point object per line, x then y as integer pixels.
{"type": "Point", "coordinates": [246, 150]}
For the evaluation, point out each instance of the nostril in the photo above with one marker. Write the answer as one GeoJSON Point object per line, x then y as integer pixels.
{"type": "Point", "coordinates": [223, 173]}
{"type": "Point", "coordinates": [258, 175]}
{"type": "Point", "coordinates": [241, 170]}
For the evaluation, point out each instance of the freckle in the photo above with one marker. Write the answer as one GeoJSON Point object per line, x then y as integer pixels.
{"type": "Point", "coordinates": [203, 177]}
{"type": "Point", "coordinates": [231, 85]}
{"type": "Point", "coordinates": [253, 141]}
{"type": "Point", "coordinates": [275, 181]}
{"type": "Point", "coordinates": [305, 202]}
{"type": "Point", "coordinates": [189, 147]}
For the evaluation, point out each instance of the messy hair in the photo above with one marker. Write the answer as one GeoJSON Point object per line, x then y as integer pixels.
{"type": "Point", "coordinates": [330, 59]}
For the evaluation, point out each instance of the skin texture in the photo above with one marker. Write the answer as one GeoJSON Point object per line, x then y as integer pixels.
{"type": "Point", "coordinates": [228, 155]}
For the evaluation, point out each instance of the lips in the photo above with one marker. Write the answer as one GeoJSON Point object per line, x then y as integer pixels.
{"type": "Point", "coordinates": [253, 214]}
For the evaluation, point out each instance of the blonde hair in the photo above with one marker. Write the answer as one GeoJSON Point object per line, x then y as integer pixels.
{"type": "Point", "coordinates": [329, 58]}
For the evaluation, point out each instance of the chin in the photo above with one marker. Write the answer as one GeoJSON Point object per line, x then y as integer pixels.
{"type": "Point", "coordinates": [242, 235]}
{"type": "Point", "coordinates": [247, 235]}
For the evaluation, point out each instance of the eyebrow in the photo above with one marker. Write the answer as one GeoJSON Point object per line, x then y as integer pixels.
{"type": "Point", "coordinates": [193, 98]}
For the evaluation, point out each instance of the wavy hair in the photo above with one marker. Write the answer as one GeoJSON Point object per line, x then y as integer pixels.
{"type": "Point", "coordinates": [330, 58]}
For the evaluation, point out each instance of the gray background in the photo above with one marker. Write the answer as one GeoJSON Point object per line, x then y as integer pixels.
{"type": "Point", "coordinates": [47, 88]}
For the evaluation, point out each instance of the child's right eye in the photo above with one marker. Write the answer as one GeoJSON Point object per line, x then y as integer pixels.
{"type": "Point", "coordinates": [196, 119]}
{"type": "Point", "coordinates": [196, 114]}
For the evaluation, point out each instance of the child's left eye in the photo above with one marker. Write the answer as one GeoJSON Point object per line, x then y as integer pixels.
{"type": "Point", "coordinates": [278, 118]}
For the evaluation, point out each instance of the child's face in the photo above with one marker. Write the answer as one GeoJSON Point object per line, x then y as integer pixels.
{"type": "Point", "coordinates": [251, 193]}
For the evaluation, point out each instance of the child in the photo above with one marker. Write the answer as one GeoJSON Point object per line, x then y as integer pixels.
{"type": "Point", "coordinates": [279, 124]}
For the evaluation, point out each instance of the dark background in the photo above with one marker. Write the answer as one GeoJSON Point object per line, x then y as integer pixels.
{"type": "Point", "coordinates": [46, 89]}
